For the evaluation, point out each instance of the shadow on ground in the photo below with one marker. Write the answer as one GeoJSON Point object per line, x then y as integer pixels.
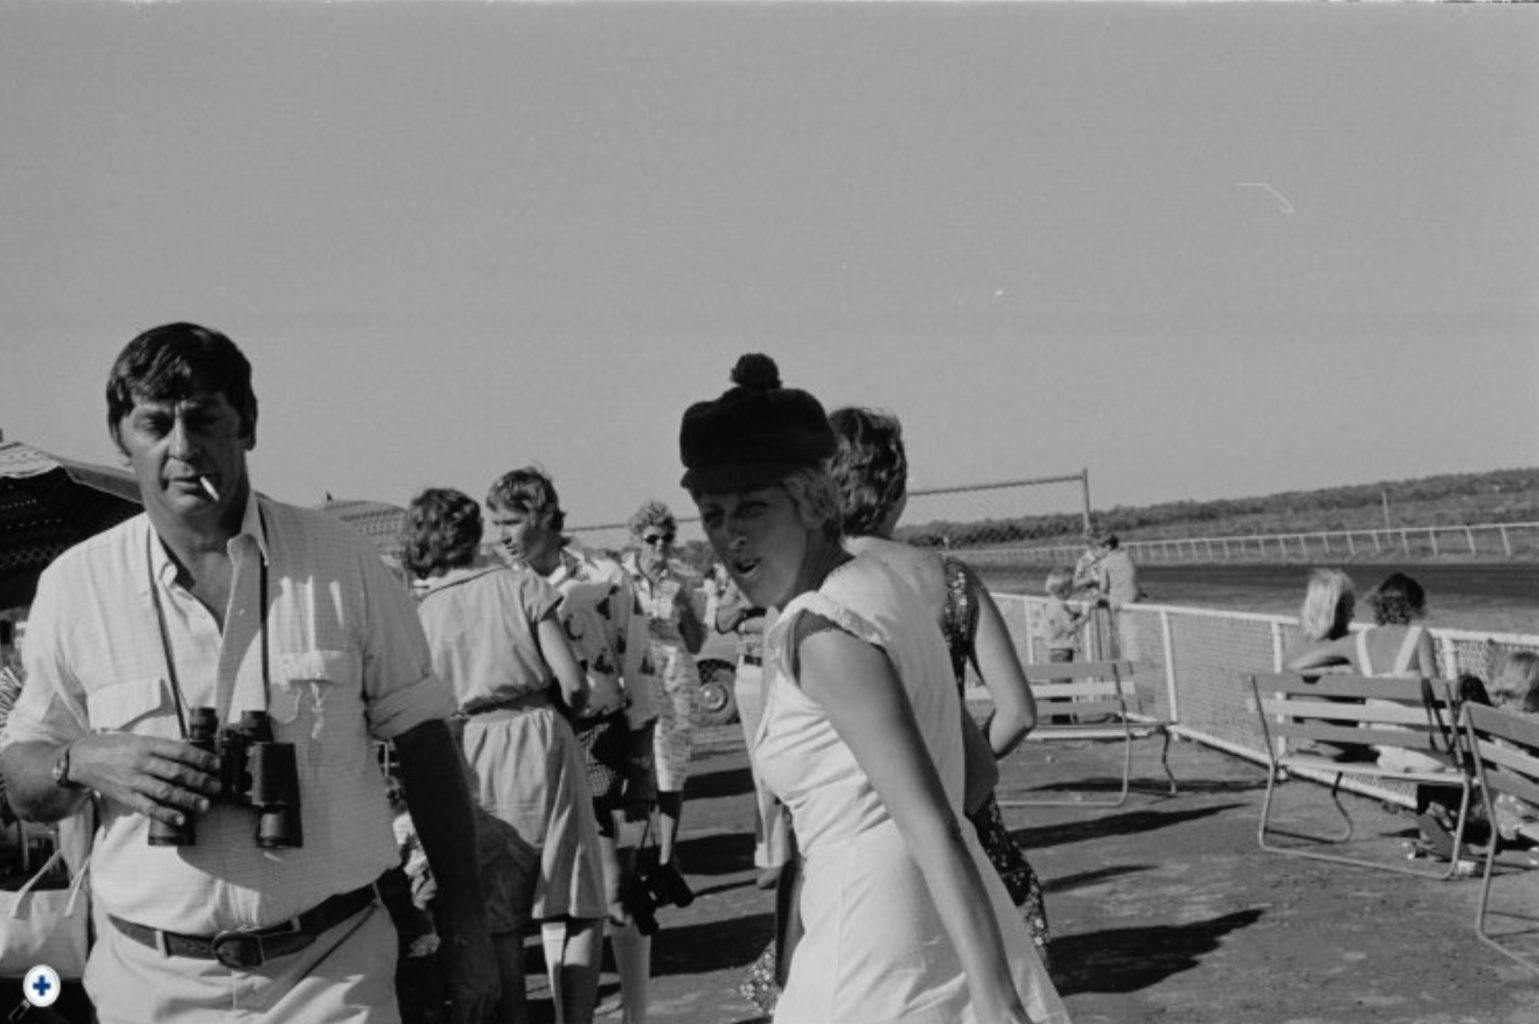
{"type": "Point", "coordinates": [718, 853]}
{"type": "Point", "coordinates": [1068, 883]}
{"type": "Point", "coordinates": [707, 946]}
{"type": "Point", "coordinates": [1129, 959]}
{"type": "Point", "coordinates": [709, 785]}
{"type": "Point", "coordinates": [1120, 824]}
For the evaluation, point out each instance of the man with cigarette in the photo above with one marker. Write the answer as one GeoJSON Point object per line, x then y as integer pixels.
{"type": "Point", "coordinates": [221, 893]}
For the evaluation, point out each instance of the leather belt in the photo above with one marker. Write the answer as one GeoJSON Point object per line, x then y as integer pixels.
{"type": "Point", "coordinates": [246, 948]}
{"type": "Point", "coordinates": [523, 702]}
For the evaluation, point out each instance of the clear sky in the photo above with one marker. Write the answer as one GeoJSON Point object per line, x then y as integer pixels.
{"type": "Point", "coordinates": [1203, 250]}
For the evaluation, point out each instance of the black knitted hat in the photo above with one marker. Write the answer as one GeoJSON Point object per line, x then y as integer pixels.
{"type": "Point", "coordinates": [754, 434]}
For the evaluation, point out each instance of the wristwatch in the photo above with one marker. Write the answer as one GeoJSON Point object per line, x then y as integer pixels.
{"type": "Point", "coordinates": [61, 771]}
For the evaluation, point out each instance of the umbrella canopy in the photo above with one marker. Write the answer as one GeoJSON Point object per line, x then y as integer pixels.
{"type": "Point", "coordinates": [47, 504]}
{"type": "Point", "coordinates": [376, 520]}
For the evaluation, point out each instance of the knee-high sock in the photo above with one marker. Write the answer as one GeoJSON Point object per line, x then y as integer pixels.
{"type": "Point", "coordinates": [633, 961]}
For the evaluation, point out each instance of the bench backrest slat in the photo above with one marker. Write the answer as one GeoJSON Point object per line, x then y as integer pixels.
{"type": "Point", "coordinates": [1067, 671]}
{"type": "Point", "coordinates": [1410, 714]}
{"type": "Point", "coordinates": [1507, 743]}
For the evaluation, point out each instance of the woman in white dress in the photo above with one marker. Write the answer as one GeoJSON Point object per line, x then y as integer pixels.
{"type": "Point", "coordinates": [904, 920]}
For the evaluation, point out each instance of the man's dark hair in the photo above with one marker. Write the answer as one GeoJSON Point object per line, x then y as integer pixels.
{"type": "Point", "coordinates": [174, 361]}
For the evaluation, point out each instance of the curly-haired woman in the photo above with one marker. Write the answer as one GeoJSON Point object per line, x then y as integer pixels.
{"type": "Point", "coordinates": [871, 469]}
{"type": "Point", "coordinates": [495, 638]}
{"type": "Point", "coordinates": [676, 635]}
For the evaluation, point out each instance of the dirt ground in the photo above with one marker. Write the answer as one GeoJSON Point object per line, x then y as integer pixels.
{"type": "Point", "coordinates": [1163, 910]}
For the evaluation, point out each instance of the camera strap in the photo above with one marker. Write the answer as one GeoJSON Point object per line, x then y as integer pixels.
{"type": "Point", "coordinates": [178, 700]}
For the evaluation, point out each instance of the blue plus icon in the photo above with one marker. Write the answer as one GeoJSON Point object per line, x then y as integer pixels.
{"type": "Point", "coordinates": [41, 986]}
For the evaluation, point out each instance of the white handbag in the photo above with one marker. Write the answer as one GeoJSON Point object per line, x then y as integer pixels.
{"type": "Point", "coordinates": [45, 926]}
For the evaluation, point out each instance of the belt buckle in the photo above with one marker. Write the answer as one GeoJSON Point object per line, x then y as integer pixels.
{"type": "Point", "coordinates": [238, 949]}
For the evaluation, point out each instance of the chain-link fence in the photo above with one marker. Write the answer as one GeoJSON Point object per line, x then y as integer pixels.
{"type": "Point", "coordinates": [1192, 666]}
{"type": "Point", "coordinates": [988, 523]}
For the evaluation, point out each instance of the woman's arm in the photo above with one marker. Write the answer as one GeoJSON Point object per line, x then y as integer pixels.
{"type": "Point", "coordinates": [993, 655]}
{"type": "Point", "coordinates": [867, 706]}
{"type": "Point", "coordinates": [1322, 653]}
{"type": "Point", "coordinates": [558, 655]}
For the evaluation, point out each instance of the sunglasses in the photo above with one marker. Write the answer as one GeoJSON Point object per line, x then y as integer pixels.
{"type": "Point", "coordinates": [657, 538]}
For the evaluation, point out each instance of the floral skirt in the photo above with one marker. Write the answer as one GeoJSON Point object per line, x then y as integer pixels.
{"type": "Point", "coordinates": [1015, 871]}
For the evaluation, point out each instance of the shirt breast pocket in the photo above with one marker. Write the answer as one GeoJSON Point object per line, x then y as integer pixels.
{"type": "Point", "coordinates": [316, 704]}
{"type": "Point", "coordinates": [140, 706]}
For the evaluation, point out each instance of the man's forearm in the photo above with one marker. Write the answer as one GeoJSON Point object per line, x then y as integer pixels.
{"type": "Point", "coordinates": [29, 783]}
{"type": "Point", "coordinates": [433, 776]}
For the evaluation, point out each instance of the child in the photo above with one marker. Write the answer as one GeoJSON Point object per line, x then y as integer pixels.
{"type": "Point", "coordinates": [1516, 689]}
{"type": "Point", "coordinates": [1061, 624]}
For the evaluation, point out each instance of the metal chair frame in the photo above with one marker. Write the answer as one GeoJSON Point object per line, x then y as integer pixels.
{"type": "Point", "coordinates": [1411, 714]}
{"type": "Point", "coordinates": [1096, 694]}
{"type": "Point", "coordinates": [1506, 755]}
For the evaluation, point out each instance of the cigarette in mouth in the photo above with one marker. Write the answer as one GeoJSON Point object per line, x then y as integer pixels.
{"type": "Point", "coordinates": [208, 487]}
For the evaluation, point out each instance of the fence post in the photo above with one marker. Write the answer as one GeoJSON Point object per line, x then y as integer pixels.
{"type": "Point", "coordinates": [1351, 548]}
{"type": "Point", "coordinates": [1432, 536]}
{"type": "Point", "coordinates": [1450, 657]}
{"type": "Point", "coordinates": [1170, 666]}
{"type": "Point", "coordinates": [1084, 482]}
{"type": "Point", "coordinates": [1375, 541]}
{"type": "Point", "coordinates": [1277, 646]}
{"type": "Point", "coordinates": [1469, 535]}
{"type": "Point", "coordinates": [1506, 543]}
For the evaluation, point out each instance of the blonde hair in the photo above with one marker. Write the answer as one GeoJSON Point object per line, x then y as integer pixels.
{"type": "Point", "coordinates": [1059, 583]}
{"type": "Point", "coordinates": [1329, 603]}
{"type": "Point", "coordinates": [1517, 681]}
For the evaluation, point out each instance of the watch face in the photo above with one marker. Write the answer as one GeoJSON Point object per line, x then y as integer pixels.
{"type": "Point", "coordinates": [61, 772]}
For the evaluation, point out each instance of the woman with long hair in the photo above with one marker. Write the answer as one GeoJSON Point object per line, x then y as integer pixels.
{"type": "Point", "coordinates": [903, 918]}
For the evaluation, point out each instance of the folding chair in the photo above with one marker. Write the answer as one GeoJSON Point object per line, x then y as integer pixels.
{"type": "Point", "coordinates": [1410, 714]}
{"type": "Point", "coordinates": [1094, 696]}
{"type": "Point", "coordinates": [1506, 755]}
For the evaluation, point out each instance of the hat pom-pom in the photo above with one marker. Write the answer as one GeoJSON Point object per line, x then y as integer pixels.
{"type": "Point", "coordinates": [756, 372]}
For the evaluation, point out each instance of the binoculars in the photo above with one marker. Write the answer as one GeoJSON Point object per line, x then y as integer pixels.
{"type": "Point", "coordinates": [653, 886]}
{"type": "Point", "coordinates": [254, 771]}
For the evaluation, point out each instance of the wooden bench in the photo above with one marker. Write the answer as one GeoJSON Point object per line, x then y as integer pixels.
{"type": "Point", "coordinates": [1094, 701]}
{"type": "Point", "coordinates": [1506, 754]}
{"type": "Point", "coordinates": [1413, 715]}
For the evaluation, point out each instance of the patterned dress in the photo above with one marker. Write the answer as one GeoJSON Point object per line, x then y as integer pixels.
{"type": "Point", "coordinates": [607, 629]}
{"type": "Point", "coordinates": [679, 693]}
{"type": "Point", "coordinates": [960, 625]}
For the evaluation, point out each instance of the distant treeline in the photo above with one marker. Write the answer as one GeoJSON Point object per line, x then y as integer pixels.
{"type": "Point", "coordinates": [1500, 496]}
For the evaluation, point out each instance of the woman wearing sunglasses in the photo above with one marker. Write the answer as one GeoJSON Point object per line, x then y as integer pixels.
{"type": "Point", "coordinates": [677, 634]}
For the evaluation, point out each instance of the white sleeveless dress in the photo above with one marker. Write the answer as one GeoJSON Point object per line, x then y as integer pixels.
{"type": "Point", "coordinates": [874, 950]}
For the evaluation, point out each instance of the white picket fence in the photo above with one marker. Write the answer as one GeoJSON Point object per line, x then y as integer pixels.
{"type": "Point", "coordinates": [1477, 541]}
